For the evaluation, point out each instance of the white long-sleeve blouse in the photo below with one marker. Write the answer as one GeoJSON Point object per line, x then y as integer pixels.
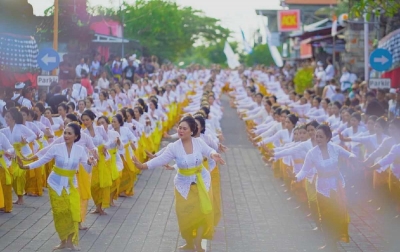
{"type": "Point", "coordinates": [64, 161]}
{"type": "Point", "coordinates": [184, 160]}
{"type": "Point", "coordinates": [100, 135]}
{"type": "Point", "coordinates": [392, 159]}
{"type": "Point", "coordinates": [325, 168]}
{"type": "Point", "coordinates": [20, 131]}
{"type": "Point", "coordinates": [6, 147]}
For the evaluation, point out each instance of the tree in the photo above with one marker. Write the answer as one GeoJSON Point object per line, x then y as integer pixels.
{"type": "Point", "coordinates": [164, 28]}
{"type": "Point", "coordinates": [260, 55]}
{"type": "Point", "coordinates": [207, 54]}
{"type": "Point", "coordinates": [390, 7]}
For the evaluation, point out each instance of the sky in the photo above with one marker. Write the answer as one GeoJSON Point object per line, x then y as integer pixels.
{"type": "Point", "coordinates": [234, 14]}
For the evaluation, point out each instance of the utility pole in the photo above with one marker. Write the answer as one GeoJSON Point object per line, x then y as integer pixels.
{"type": "Point", "coordinates": [55, 31]}
{"type": "Point", "coordinates": [122, 28]}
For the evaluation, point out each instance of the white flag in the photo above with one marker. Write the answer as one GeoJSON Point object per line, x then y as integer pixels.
{"type": "Point", "coordinates": [246, 45]}
{"type": "Point", "coordinates": [274, 50]}
{"type": "Point", "coordinates": [233, 61]}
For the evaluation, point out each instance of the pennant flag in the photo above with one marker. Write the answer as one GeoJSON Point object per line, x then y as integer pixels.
{"type": "Point", "coordinates": [274, 50]}
{"type": "Point", "coordinates": [233, 62]}
{"type": "Point", "coordinates": [246, 45]}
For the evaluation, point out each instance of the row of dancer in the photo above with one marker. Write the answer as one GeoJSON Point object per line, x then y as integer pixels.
{"type": "Point", "coordinates": [312, 142]}
{"type": "Point", "coordinates": [93, 157]}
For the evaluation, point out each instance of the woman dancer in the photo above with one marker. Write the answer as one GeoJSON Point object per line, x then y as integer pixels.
{"type": "Point", "coordinates": [64, 195]}
{"type": "Point", "coordinates": [323, 160]}
{"type": "Point", "coordinates": [192, 183]}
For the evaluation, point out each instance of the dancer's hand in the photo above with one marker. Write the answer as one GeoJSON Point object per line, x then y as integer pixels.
{"type": "Point", "coordinates": [217, 157]}
{"type": "Point", "coordinates": [21, 164]}
{"type": "Point", "coordinates": [138, 164]}
{"type": "Point", "coordinates": [168, 167]}
{"type": "Point", "coordinates": [23, 140]}
{"type": "Point", "coordinates": [149, 154]}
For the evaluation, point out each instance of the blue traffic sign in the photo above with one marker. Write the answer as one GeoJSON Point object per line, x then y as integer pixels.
{"type": "Point", "coordinates": [48, 59]}
{"type": "Point", "coordinates": [381, 60]}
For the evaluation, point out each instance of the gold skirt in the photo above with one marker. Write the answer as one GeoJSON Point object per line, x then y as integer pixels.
{"type": "Point", "coordinates": [380, 179]}
{"type": "Point", "coordinates": [394, 187]}
{"type": "Point", "coordinates": [216, 188]}
{"type": "Point", "coordinates": [84, 190]}
{"type": "Point", "coordinates": [190, 216]}
{"type": "Point", "coordinates": [334, 216]}
{"type": "Point", "coordinates": [34, 182]}
{"type": "Point", "coordinates": [99, 195]}
{"type": "Point", "coordinates": [127, 180]}
{"type": "Point", "coordinates": [7, 192]}
{"type": "Point", "coordinates": [62, 216]}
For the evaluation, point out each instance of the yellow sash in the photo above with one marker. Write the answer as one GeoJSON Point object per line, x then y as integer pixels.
{"type": "Point", "coordinates": [17, 171]}
{"type": "Point", "coordinates": [113, 163]}
{"type": "Point", "coordinates": [74, 199]}
{"type": "Point", "coordinates": [128, 158]}
{"type": "Point", "coordinates": [205, 202]}
{"type": "Point", "coordinates": [7, 171]}
{"type": "Point", "coordinates": [104, 171]}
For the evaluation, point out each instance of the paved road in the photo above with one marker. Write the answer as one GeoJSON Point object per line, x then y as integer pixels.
{"type": "Point", "coordinates": [259, 214]}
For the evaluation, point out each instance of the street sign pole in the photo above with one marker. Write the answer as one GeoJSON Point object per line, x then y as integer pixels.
{"type": "Point", "coordinates": [366, 48]}
{"type": "Point", "coordinates": [55, 32]}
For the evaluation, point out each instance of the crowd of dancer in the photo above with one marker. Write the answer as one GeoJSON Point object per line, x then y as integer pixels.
{"type": "Point", "coordinates": [96, 148]}
{"type": "Point", "coordinates": [314, 145]}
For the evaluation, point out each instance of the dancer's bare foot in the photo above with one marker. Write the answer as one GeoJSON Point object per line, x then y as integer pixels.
{"type": "Point", "coordinates": [60, 246]}
{"type": "Point", "coordinates": [186, 247]}
{"type": "Point", "coordinates": [18, 202]}
{"type": "Point", "coordinates": [72, 247]}
{"type": "Point", "coordinates": [82, 227]}
{"type": "Point", "coordinates": [112, 204]}
{"type": "Point", "coordinates": [95, 212]}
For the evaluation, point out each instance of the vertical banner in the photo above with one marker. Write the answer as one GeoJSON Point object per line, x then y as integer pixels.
{"type": "Point", "coordinates": [231, 57]}
{"type": "Point", "coordinates": [289, 20]}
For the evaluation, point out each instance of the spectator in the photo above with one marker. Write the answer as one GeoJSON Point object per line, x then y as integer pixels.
{"type": "Point", "coordinates": [346, 80]}
{"type": "Point", "coordinates": [51, 92]}
{"type": "Point", "coordinates": [329, 71]}
{"type": "Point", "coordinates": [395, 109]}
{"type": "Point", "coordinates": [373, 105]}
{"type": "Point", "coordinates": [381, 96]}
{"type": "Point", "coordinates": [129, 71]}
{"type": "Point", "coordinates": [103, 82]}
{"type": "Point", "coordinates": [79, 92]}
{"type": "Point", "coordinates": [320, 81]}
{"type": "Point", "coordinates": [95, 68]}
{"type": "Point", "coordinates": [392, 99]}
{"type": "Point", "coordinates": [329, 90]}
{"type": "Point", "coordinates": [117, 71]}
{"type": "Point", "coordinates": [148, 66]}
{"type": "Point", "coordinates": [85, 81]}
{"type": "Point", "coordinates": [339, 96]}
{"type": "Point", "coordinates": [57, 98]}
{"type": "Point", "coordinates": [66, 71]}
{"type": "Point", "coordinates": [82, 66]}
{"type": "Point", "coordinates": [108, 67]}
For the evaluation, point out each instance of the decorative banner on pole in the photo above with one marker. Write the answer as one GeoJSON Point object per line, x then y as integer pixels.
{"type": "Point", "coordinates": [246, 45]}
{"type": "Point", "coordinates": [289, 20]}
{"type": "Point", "coordinates": [231, 57]}
{"type": "Point", "coordinates": [274, 50]}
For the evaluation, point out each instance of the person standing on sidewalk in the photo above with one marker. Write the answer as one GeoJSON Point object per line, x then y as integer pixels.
{"type": "Point", "coordinates": [323, 161]}
{"type": "Point", "coordinates": [193, 193]}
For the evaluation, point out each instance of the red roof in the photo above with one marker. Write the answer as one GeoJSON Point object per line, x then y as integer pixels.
{"type": "Point", "coordinates": [310, 2]}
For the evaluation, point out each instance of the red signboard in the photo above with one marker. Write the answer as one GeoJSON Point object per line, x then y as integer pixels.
{"type": "Point", "coordinates": [289, 20]}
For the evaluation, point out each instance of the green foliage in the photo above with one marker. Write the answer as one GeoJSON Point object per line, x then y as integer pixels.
{"type": "Point", "coordinates": [164, 28]}
{"type": "Point", "coordinates": [303, 79]}
{"type": "Point", "coordinates": [260, 55]}
{"type": "Point", "coordinates": [390, 7]}
{"type": "Point", "coordinates": [207, 55]}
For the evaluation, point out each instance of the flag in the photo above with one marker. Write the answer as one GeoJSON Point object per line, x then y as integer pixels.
{"type": "Point", "coordinates": [274, 50]}
{"type": "Point", "coordinates": [231, 57]}
{"type": "Point", "coordinates": [246, 45]}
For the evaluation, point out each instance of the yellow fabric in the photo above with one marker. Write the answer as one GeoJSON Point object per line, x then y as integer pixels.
{"type": "Point", "coordinates": [6, 169]}
{"type": "Point", "coordinates": [63, 215]}
{"type": "Point", "coordinates": [18, 173]}
{"type": "Point", "coordinates": [113, 164]}
{"type": "Point", "coordinates": [7, 192]}
{"type": "Point", "coordinates": [84, 183]}
{"type": "Point", "coordinates": [101, 181]}
{"type": "Point", "coordinates": [1, 196]}
{"type": "Point", "coordinates": [104, 170]}
{"type": "Point", "coordinates": [74, 199]}
{"type": "Point", "coordinates": [190, 215]}
{"type": "Point", "coordinates": [206, 205]}
{"type": "Point", "coordinates": [128, 158]}
{"type": "Point", "coordinates": [58, 133]}
{"type": "Point", "coordinates": [216, 189]}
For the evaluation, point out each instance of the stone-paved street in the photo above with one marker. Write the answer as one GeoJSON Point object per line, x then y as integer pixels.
{"type": "Point", "coordinates": [259, 214]}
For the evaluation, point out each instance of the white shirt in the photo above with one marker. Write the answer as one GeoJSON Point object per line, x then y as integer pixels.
{"type": "Point", "coordinates": [103, 83]}
{"type": "Point", "coordinates": [6, 147]}
{"type": "Point", "coordinates": [79, 69]}
{"type": "Point", "coordinates": [64, 161]}
{"type": "Point", "coordinates": [185, 161]}
{"type": "Point", "coordinates": [15, 136]}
